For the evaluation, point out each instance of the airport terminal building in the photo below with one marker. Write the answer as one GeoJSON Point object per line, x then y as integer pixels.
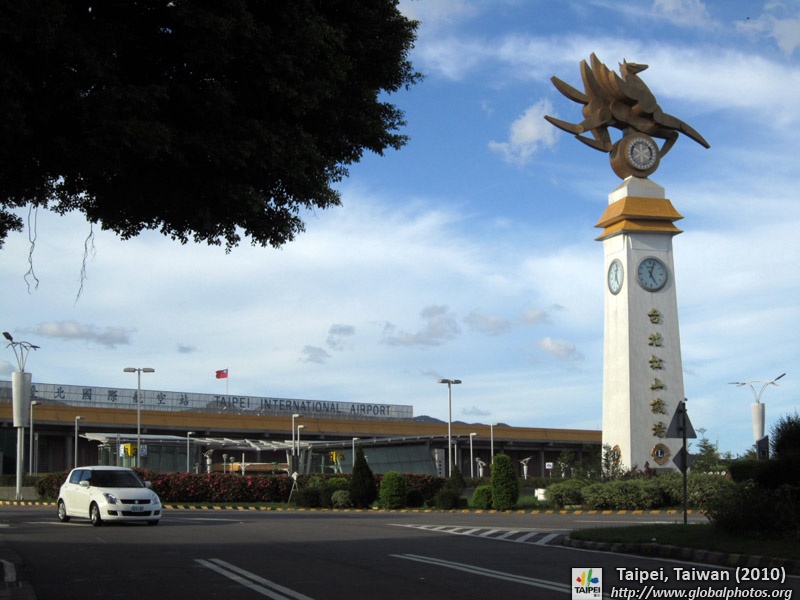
{"type": "Point", "coordinates": [180, 431]}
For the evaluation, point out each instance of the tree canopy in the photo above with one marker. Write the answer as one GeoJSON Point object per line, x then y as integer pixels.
{"type": "Point", "coordinates": [204, 119]}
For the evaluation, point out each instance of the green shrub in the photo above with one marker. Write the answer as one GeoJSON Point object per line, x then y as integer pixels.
{"type": "Point", "coordinates": [428, 485]}
{"type": "Point", "coordinates": [505, 485]}
{"type": "Point", "coordinates": [414, 498]}
{"type": "Point", "coordinates": [565, 493]}
{"type": "Point", "coordinates": [770, 474]}
{"type": "Point", "coordinates": [336, 484]}
{"type": "Point", "coordinates": [447, 499]}
{"type": "Point", "coordinates": [786, 437]}
{"type": "Point", "coordinates": [48, 485]}
{"type": "Point", "coordinates": [626, 494]}
{"type": "Point", "coordinates": [456, 481]}
{"type": "Point", "coordinates": [744, 470]}
{"type": "Point", "coordinates": [529, 503]}
{"type": "Point", "coordinates": [482, 497]}
{"type": "Point", "coordinates": [307, 497]}
{"type": "Point", "coordinates": [341, 499]}
{"type": "Point", "coordinates": [748, 509]}
{"type": "Point", "coordinates": [393, 490]}
{"type": "Point", "coordinates": [704, 487]}
{"type": "Point", "coordinates": [363, 490]}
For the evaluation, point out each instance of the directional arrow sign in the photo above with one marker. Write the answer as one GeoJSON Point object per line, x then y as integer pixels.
{"type": "Point", "coordinates": [675, 429]}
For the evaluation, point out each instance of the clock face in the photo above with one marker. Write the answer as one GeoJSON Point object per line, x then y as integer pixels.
{"type": "Point", "coordinates": [616, 276]}
{"type": "Point", "coordinates": [651, 274]}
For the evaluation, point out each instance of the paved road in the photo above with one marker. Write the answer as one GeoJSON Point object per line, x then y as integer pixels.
{"type": "Point", "coordinates": [314, 555]}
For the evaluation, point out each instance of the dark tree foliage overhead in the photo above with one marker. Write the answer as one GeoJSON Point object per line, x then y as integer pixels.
{"type": "Point", "coordinates": [204, 119]}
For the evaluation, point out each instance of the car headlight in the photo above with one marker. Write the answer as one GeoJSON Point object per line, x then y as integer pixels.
{"type": "Point", "coordinates": [110, 498]}
{"type": "Point", "coordinates": [155, 499]}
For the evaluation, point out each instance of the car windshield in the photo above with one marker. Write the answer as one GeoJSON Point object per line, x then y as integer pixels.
{"type": "Point", "coordinates": [116, 479]}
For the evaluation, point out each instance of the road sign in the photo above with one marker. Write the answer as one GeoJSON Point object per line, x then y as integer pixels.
{"type": "Point", "coordinates": [675, 429]}
{"type": "Point", "coordinates": [683, 460]}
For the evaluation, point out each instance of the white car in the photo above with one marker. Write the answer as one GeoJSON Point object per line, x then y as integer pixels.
{"type": "Point", "coordinates": [108, 494]}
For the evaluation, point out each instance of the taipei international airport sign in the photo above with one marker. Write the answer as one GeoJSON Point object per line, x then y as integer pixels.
{"type": "Point", "coordinates": [101, 397]}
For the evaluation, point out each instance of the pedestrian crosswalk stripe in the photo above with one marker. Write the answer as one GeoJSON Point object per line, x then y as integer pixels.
{"type": "Point", "coordinates": [519, 536]}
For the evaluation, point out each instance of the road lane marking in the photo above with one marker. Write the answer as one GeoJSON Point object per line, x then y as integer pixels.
{"type": "Point", "coordinates": [251, 580]}
{"type": "Point", "coordinates": [475, 570]}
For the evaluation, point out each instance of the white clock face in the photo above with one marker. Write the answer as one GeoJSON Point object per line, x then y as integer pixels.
{"type": "Point", "coordinates": [616, 276]}
{"type": "Point", "coordinates": [651, 274]}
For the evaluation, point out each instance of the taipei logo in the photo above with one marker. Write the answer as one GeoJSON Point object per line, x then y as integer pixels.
{"type": "Point", "coordinates": [587, 583]}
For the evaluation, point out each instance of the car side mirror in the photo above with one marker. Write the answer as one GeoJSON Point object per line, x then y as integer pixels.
{"type": "Point", "coordinates": [148, 485]}
{"type": "Point", "coordinates": [84, 483]}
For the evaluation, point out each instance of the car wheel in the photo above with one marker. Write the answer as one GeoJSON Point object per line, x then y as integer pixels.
{"type": "Point", "coordinates": [94, 515]}
{"type": "Point", "coordinates": [62, 512]}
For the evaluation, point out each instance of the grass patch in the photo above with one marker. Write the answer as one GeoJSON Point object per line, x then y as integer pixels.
{"type": "Point", "coordinates": [700, 536]}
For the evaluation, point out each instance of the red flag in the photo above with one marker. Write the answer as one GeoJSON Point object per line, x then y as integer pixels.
{"type": "Point", "coordinates": [222, 374]}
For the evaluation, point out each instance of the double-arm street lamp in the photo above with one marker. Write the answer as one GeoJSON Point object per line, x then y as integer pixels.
{"type": "Point", "coordinates": [450, 383]}
{"type": "Point", "coordinates": [20, 398]}
{"type": "Point", "coordinates": [757, 408]}
{"type": "Point", "coordinates": [138, 406]}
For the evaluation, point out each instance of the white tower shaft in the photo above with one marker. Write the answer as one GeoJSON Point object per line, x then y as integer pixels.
{"type": "Point", "coordinates": [642, 372]}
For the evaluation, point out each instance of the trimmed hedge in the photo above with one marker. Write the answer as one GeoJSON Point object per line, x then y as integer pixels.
{"type": "Point", "coordinates": [505, 484]}
{"type": "Point", "coordinates": [565, 493]}
{"type": "Point", "coordinates": [662, 491]}
{"type": "Point", "coordinates": [482, 497]}
{"type": "Point", "coordinates": [628, 494]}
{"type": "Point", "coordinates": [392, 493]}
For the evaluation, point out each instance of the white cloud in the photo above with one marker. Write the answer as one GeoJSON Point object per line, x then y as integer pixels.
{"type": "Point", "coordinates": [780, 21]}
{"type": "Point", "coordinates": [560, 349]}
{"type": "Point", "coordinates": [687, 13]}
{"type": "Point", "coordinates": [110, 337]}
{"type": "Point", "coordinates": [488, 324]}
{"type": "Point", "coordinates": [527, 134]}
{"type": "Point", "coordinates": [314, 354]}
{"type": "Point", "coordinates": [534, 316]}
{"type": "Point", "coordinates": [337, 335]}
{"type": "Point", "coordinates": [440, 326]}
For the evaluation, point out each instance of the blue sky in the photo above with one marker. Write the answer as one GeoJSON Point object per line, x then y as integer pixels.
{"type": "Point", "coordinates": [471, 253]}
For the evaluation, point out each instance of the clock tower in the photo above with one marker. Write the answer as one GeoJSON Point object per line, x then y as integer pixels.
{"type": "Point", "coordinates": [642, 370]}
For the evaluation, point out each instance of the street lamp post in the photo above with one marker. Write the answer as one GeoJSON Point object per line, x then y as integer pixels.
{"type": "Point", "coordinates": [189, 434]}
{"type": "Point", "coordinates": [31, 461]}
{"type": "Point", "coordinates": [757, 409]}
{"type": "Point", "coordinates": [299, 462]}
{"type": "Point", "coordinates": [450, 383]}
{"type": "Point", "coordinates": [138, 406]}
{"type": "Point", "coordinates": [75, 457]}
{"type": "Point", "coordinates": [491, 435]}
{"type": "Point", "coordinates": [20, 397]}
{"type": "Point", "coordinates": [471, 461]}
{"type": "Point", "coordinates": [292, 466]}
{"type": "Point", "coordinates": [355, 439]}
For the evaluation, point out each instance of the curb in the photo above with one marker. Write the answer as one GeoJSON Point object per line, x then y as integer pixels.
{"type": "Point", "coordinates": [537, 511]}
{"type": "Point", "coordinates": [722, 559]}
